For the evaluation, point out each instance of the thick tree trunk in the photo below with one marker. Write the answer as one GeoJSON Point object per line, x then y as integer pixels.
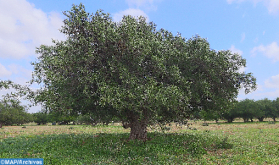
{"type": "Point", "coordinates": [230, 120]}
{"type": "Point", "coordinates": [138, 126]}
{"type": "Point", "coordinates": [0, 125]}
{"type": "Point", "coordinates": [274, 119]}
{"type": "Point", "coordinates": [138, 130]}
{"type": "Point", "coordinates": [260, 119]}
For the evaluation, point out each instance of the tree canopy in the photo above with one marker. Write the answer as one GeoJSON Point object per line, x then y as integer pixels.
{"type": "Point", "coordinates": [133, 71]}
{"type": "Point", "coordinates": [11, 112]}
{"type": "Point", "coordinates": [250, 109]}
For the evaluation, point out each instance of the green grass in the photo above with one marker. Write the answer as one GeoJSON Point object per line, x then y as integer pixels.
{"type": "Point", "coordinates": [112, 148]}
{"type": "Point", "coordinates": [214, 144]}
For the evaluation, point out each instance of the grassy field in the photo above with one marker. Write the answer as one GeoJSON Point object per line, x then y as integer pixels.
{"type": "Point", "coordinates": [223, 143]}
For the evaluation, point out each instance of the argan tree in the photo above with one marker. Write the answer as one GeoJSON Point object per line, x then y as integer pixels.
{"type": "Point", "coordinates": [41, 118]}
{"type": "Point", "coordinates": [248, 109]}
{"type": "Point", "coordinates": [270, 107]}
{"type": "Point", "coordinates": [132, 71]}
{"type": "Point", "coordinates": [231, 112]}
{"type": "Point", "coordinates": [11, 112]}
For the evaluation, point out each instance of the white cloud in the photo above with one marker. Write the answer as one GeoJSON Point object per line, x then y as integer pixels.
{"type": "Point", "coordinates": [146, 4]}
{"type": "Point", "coordinates": [133, 12]}
{"type": "Point", "coordinates": [16, 73]}
{"type": "Point", "coordinates": [272, 82]}
{"type": "Point", "coordinates": [260, 87]}
{"type": "Point", "coordinates": [242, 69]}
{"type": "Point", "coordinates": [4, 72]}
{"type": "Point", "coordinates": [235, 50]}
{"type": "Point", "coordinates": [23, 27]}
{"type": "Point", "coordinates": [271, 51]}
{"type": "Point", "coordinates": [137, 8]}
{"type": "Point", "coordinates": [272, 5]}
{"type": "Point", "coordinates": [23, 74]}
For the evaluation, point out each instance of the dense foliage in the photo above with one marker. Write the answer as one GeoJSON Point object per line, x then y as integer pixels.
{"type": "Point", "coordinates": [132, 71]}
{"type": "Point", "coordinates": [250, 109]}
{"type": "Point", "coordinates": [41, 118]}
{"type": "Point", "coordinates": [11, 112]}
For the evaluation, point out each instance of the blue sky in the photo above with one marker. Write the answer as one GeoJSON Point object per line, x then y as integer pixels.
{"type": "Point", "coordinates": [247, 27]}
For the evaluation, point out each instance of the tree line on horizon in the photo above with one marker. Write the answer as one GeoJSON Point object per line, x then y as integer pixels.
{"type": "Point", "coordinates": [249, 109]}
{"type": "Point", "coordinates": [12, 113]}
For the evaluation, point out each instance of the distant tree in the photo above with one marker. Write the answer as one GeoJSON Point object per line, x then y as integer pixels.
{"type": "Point", "coordinates": [24, 118]}
{"type": "Point", "coordinates": [86, 119]}
{"type": "Point", "coordinates": [248, 109]}
{"type": "Point", "coordinates": [266, 108]}
{"type": "Point", "coordinates": [41, 118]}
{"type": "Point", "coordinates": [207, 115]}
{"type": "Point", "coordinates": [258, 111]}
{"type": "Point", "coordinates": [61, 117]}
{"type": "Point", "coordinates": [133, 71]}
{"type": "Point", "coordinates": [231, 112]}
{"type": "Point", "coordinates": [273, 109]}
{"type": "Point", "coordinates": [11, 112]}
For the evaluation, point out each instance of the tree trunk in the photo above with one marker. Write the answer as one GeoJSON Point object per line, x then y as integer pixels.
{"type": "Point", "coordinates": [230, 120]}
{"type": "Point", "coordinates": [260, 119]}
{"type": "Point", "coordinates": [0, 125]}
{"type": "Point", "coordinates": [138, 130]}
{"type": "Point", "coordinates": [274, 119]}
{"type": "Point", "coordinates": [138, 126]}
